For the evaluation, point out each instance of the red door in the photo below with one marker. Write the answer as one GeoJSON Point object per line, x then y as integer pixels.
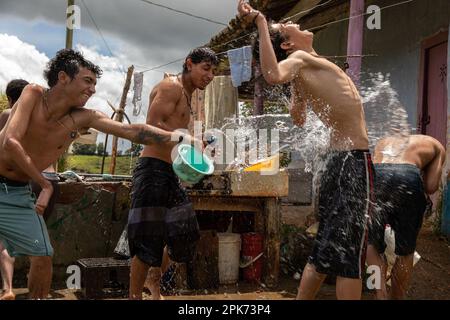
{"type": "Point", "coordinates": [434, 87]}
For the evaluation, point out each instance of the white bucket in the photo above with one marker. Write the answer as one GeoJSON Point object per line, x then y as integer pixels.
{"type": "Point", "coordinates": [229, 253]}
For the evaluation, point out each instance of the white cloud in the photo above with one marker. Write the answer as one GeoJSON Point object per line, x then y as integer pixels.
{"type": "Point", "coordinates": [19, 59]}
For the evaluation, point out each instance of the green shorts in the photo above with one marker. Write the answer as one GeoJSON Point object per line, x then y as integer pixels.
{"type": "Point", "coordinates": [22, 231]}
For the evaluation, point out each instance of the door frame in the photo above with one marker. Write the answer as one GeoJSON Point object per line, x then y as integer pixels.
{"type": "Point", "coordinates": [429, 42]}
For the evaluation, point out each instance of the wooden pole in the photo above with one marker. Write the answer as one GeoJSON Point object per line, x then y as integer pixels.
{"type": "Point", "coordinates": [272, 241]}
{"type": "Point", "coordinates": [119, 117]}
{"type": "Point", "coordinates": [69, 31]}
{"type": "Point", "coordinates": [69, 42]}
{"type": "Point", "coordinates": [258, 99]}
{"type": "Point", "coordinates": [355, 39]}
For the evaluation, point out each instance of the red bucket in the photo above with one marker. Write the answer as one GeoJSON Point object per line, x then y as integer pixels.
{"type": "Point", "coordinates": [252, 251]}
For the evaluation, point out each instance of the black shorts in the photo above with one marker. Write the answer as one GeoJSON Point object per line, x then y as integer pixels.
{"type": "Point", "coordinates": [161, 214]}
{"type": "Point", "coordinates": [401, 203]}
{"type": "Point", "coordinates": [345, 205]}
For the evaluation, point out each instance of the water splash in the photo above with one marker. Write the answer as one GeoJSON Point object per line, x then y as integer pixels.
{"type": "Point", "coordinates": [385, 114]}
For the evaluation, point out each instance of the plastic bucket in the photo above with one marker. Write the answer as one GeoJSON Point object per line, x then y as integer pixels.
{"type": "Point", "coordinates": [191, 165]}
{"type": "Point", "coordinates": [229, 252]}
{"type": "Point", "coordinates": [252, 251]}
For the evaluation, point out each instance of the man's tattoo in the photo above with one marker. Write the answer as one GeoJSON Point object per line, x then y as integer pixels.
{"type": "Point", "coordinates": [146, 136]}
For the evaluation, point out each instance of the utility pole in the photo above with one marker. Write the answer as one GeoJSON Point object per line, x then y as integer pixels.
{"type": "Point", "coordinates": [60, 163]}
{"type": "Point", "coordinates": [69, 31]}
{"type": "Point", "coordinates": [119, 117]}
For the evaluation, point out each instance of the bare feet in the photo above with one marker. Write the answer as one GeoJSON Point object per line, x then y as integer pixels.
{"type": "Point", "coordinates": [7, 295]}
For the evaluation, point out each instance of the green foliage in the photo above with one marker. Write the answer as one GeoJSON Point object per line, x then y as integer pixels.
{"type": "Point", "coordinates": [3, 102]}
{"type": "Point", "coordinates": [84, 149]}
{"type": "Point", "coordinates": [62, 163]}
{"type": "Point", "coordinates": [269, 108]}
{"type": "Point", "coordinates": [100, 149]}
{"type": "Point", "coordinates": [135, 150]}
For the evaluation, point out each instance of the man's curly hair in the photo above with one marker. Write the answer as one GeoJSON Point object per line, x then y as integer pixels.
{"type": "Point", "coordinates": [277, 39]}
{"type": "Point", "coordinates": [201, 54]}
{"type": "Point", "coordinates": [69, 61]}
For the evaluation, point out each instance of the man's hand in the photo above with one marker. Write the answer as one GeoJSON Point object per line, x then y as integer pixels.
{"type": "Point", "coordinates": [246, 12]}
{"type": "Point", "coordinates": [188, 139]}
{"type": "Point", "coordinates": [44, 198]}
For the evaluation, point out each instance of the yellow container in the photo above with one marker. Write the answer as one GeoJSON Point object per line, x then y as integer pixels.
{"type": "Point", "coordinates": [269, 164]}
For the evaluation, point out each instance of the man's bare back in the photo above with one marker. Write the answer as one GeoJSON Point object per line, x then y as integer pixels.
{"type": "Point", "coordinates": [423, 151]}
{"type": "Point", "coordinates": [418, 150]}
{"type": "Point", "coordinates": [333, 97]}
{"type": "Point", "coordinates": [169, 109]}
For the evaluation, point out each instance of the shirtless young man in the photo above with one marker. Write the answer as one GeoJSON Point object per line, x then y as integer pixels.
{"type": "Point", "coordinates": [42, 125]}
{"type": "Point", "coordinates": [287, 56]}
{"type": "Point", "coordinates": [13, 91]}
{"type": "Point", "coordinates": [407, 169]}
{"type": "Point", "coordinates": [161, 213]}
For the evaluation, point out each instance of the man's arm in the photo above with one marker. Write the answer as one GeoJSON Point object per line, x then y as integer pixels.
{"type": "Point", "coordinates": [161, 106]}
{"type": "Point", "coordinates": [163, 103]}
{"type": "Point", "coordinates": [433, 171]}
{"type": "Point", "coordinates": [15, 131]}
{"type": "Point", "coordinates": [138, 133]}
{"type": "Point", "coordinates": [273, 72]}
{"type": "Point", "coordinates": [4, 118]}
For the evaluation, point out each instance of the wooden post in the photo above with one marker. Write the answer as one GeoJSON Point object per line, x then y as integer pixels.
{"type": "Point", "coordinates": [258, 102]}
{"type": "Point", "coordinates": [69, 43]}
{"type": "Point", "coordinates": [355, 39]}
{"type": "Point", "coordinates": [272, 239]}
{"type": "Point", "coordinates": [119, 117]}
{"type": "Point", "coordinates": [69, 32]}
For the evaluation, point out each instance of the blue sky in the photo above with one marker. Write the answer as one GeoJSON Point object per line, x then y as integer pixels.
{"type": "Point", "coordinates": [49, 37]}
{"type": "Point", "coordinates": [137, 33]}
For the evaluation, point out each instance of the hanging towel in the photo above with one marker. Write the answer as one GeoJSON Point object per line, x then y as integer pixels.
{"type": "Point", "coordinates": [240, 64]}
{"type": "Point", "coordinates": [138, 84]}
{"type": "Point", "coordinates": [221, 101]}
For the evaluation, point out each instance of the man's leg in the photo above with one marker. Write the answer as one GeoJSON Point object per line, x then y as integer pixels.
{"type": "Point", "coordinates": [401, 275]}
{"type": "Point", "coordinates": [7, 271]}
{"type": "Point", "coordinates": [139, 271]}
{"type": "Point", "coordinates": [310, 283]}
{"type": "Point", "coordinates": [166, 262]}
{"type": "Point", "coordinates": [376, 259]}
{"type": "Point", "coordinates": [40, 277]}
{"type": "Point", "coordinates": [348, 289]}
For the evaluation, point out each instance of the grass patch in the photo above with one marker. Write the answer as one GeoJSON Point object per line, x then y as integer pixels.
{"type": "Point", "coordinates": [93, 164]}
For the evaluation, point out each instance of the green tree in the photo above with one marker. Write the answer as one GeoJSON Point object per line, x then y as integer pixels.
{"type": "Point", "coordinates": [100, 148]}
{"type": "Point", "coordinates": [269, 108]}
{"type": "Point", "coordinates": [3, 102]}
{"type": "Point", "coordinates": [135, 150]}
{"type": "Point", "coordinates": [84, 149]}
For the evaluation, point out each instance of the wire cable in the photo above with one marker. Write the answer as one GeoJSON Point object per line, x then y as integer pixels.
{"type": "Point", "coordinates": [183, 12]}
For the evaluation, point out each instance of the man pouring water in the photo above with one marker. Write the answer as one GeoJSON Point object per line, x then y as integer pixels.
{"type": "Point", "coordinates": [287, 55]}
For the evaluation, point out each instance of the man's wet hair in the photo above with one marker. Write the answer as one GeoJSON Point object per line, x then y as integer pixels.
{"type": "Point", "coordinates": [14, 89]}
{"type": "Point", "coordinates": [277, 39]}
{"type": "Point", "coordinates": [69, 61]}
{"type": "Point", "coordinates": [201, 54]}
